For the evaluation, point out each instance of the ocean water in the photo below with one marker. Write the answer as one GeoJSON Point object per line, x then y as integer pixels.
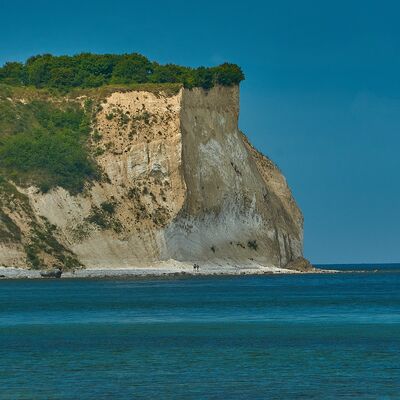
{"type": "Point", "coordinates": [319, 336]}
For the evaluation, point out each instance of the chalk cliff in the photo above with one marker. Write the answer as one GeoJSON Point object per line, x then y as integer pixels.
{"type": "Point", "coordinates": [179, 181]}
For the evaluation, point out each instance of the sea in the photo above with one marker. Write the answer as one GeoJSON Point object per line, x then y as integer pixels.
{"type": "Point", "coordinates": [313, 336]}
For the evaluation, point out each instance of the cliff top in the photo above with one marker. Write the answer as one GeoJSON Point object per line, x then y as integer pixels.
{"type": "Point", "coordinates": [88, 70]}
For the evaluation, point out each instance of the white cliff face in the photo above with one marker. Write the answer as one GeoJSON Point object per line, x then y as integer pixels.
{"type": "Point", "coordinates": [183, 183]}
{"type": "Point", "coordinates": [231, 211]}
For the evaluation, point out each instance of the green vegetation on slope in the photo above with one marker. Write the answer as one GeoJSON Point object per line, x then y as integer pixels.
{"type": "Point", "coordinates": [93, 70]}
{"type": "Point", "coordinates": [39, 239]}
{"type": "Point", "coordinates": [44, 144]}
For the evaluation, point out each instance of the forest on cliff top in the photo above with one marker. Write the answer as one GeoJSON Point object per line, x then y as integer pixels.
{"type": "Point", "coordinates": [88, 70]}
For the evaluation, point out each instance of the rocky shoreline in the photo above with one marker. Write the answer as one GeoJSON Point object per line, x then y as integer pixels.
{"type": "Point", "coordinates": [160, 270]}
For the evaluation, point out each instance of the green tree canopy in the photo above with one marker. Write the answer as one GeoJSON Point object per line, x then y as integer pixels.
{"type": "Point", "coordinates": [93, 70]}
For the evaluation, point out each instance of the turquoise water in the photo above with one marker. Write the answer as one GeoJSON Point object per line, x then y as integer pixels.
{"type": "Point", "coordinates": [265, 337]}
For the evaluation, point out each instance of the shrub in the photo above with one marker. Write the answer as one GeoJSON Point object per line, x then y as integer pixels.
{"type": "Point", "coordinates": [99, 218]}
{"type": "Point", "coordinates": [108, 207]}
{"type": "Point", "coordinates": [97, 136]}
{"type": "Point", "coordinates": [102, 217]}
{"type": "Point", "coordinates": [252, 244]}
{"type": "Point", "coordinates": [32, 257]}
{"type": "Point", "coordinates": [47, 147]}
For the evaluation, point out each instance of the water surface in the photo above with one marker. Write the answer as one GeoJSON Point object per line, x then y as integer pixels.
{"type": "Point", "coordinates": [324, 336]}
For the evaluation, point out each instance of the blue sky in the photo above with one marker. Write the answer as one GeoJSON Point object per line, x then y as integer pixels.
{"type": "Point", "coordinates": [321, 95]}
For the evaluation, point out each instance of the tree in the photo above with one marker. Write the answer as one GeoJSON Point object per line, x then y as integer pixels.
{"type": "Point", "coordinates": [13, 73]}
{"type": "Point", "coordinates": [132, 68]}
{"type": "Point", "coordinates": [228, 74]}
{"type": "Point", "coordinates": [38, 70]}
{"type": "Point", "coordinates": [62, 77]}
{"type": "Point", "coordinates": [204, 78]}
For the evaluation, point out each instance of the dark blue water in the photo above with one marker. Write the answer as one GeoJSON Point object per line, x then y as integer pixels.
{"type": "Point", "coordinates": [267, 337]}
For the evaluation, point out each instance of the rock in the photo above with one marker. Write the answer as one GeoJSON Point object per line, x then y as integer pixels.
{"type": "Point", "coordinates": [197, 191]}
{"type": "Point", "coordinates": [300, 264]}
{"type": "Point", "coordinates": [54, 273]}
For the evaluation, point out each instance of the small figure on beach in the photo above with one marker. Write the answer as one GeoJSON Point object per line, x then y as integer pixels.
{"type": "Point", "coordinates": [196, 267]}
